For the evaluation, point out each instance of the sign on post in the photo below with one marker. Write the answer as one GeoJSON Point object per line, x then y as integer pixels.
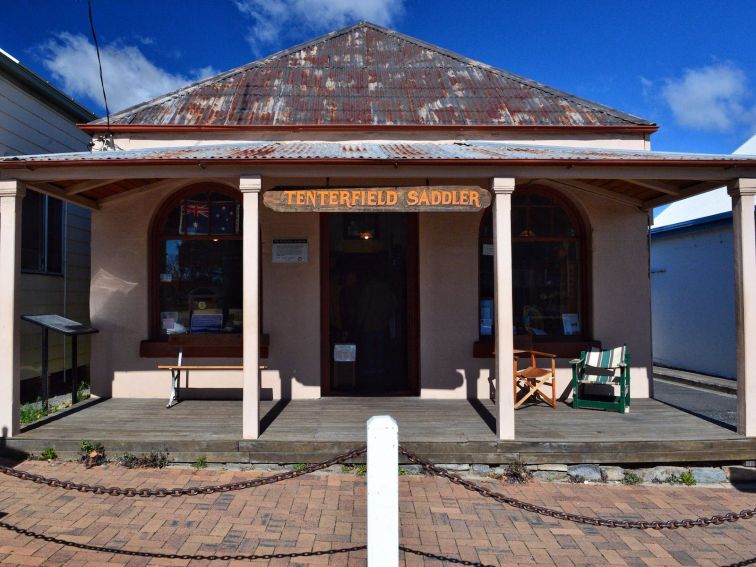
{"type": "Point", "coordinates": [383, 491]}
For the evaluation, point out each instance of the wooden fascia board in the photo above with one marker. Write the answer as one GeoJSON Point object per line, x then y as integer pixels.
{"type": "Point", "coordinates": [60, 193]}
{"type": "Point", "coordinates": [340, 168]}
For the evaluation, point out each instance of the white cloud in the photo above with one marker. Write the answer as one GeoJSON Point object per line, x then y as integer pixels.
{"type": "Point", "coordinates": [277, 20]}
{"type": "Point", "coordinates": [712, 98]}
{"type": "Point", "coordinates": [130, 78]}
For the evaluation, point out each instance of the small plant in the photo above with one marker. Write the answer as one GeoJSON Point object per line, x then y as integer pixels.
{"type": "Point", "coordinates": [347, 468]}
{"type": "Point", "coordinates": [299, 467]}
{"type": "Point", "coordinates": [82, 392]}
{"type": "Point", "coordinates": [403, 471]}
{"type": "Point", "coordinates": [360, 470]}
{"type": "Point", "coordinates": [200, 463]}
{"type": "Point", "coordinates": [48, 454]}
{"type": "Point", "coordinates": [92, 454]}
{"type": "Point", "coordinates": [517, 472]}
{"type": "Point", "coordinates": [153, 460]}
{"type": "Point", "coordinates": [687, 478]}
{"type": "Point", "coordinates": [630, 478]}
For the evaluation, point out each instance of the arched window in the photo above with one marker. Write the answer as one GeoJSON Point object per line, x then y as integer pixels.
{"type": "Point", "coordinates": [549, 251]}
{"type": "Point", "coordinates": [197, 263]}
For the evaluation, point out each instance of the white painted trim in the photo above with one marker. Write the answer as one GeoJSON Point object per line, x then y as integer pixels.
{"type": "Point", "coordinates": [383, 491]}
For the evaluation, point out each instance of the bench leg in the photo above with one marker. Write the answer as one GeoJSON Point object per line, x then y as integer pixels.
{"type": "Point", "coordinates": [173, 399]}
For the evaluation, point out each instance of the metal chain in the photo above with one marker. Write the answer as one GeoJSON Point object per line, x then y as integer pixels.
{"type": "Point", "coordinates": [443, 557]}
{"type": "Point", "coordinates": [189, 491]}
{"type": "Point", "coordinates": [578, 518]}
{"type": "Point", "coordinates": [184, 556]}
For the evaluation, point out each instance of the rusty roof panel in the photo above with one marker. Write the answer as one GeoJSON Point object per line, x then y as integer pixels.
{"type": "Point", "coordinates": [369, 75]}
{"type": "Point", "coordinates": [482, 151]}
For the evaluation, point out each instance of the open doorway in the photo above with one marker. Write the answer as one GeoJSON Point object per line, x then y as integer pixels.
{"type": "Point", "coordinates": [369, 304]}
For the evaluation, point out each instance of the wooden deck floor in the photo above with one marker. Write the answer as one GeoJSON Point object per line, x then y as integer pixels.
{"type": "Point", "coordinates": [445, 430]}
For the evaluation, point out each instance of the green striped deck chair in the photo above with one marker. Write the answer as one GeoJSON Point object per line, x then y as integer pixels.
{"type": "Point", "coordinates": [601, 379]}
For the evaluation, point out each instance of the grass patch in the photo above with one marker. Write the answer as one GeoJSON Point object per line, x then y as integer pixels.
{"type": "Point", "coordinates": [517, 472]}
{"type": "Point", "coordinates": [685, 478]}
{"type": "Point", "coordinates": [48, 454]}
{"type": "Point", "coordinates": [153, 460]}
{"type": "Point", "coordinates": [359, 470]}
{"type": "Point", "coordinates": [34, 412]}
{"type": "Point", "coordinates": [299, 467]}
{"type": "Point", "coordinates": [92, 453]}
{"type": "Point", "coordinates": [200, 463]}
{"type": "Point", "coordinates": [630, 478]}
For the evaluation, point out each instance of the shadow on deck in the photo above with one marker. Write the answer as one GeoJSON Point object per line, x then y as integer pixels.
{"type": "Point", "coordinates": [445, 431]}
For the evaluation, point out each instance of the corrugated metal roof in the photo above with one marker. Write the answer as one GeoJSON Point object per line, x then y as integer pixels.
{"type": "Point", "coordinates": [374, 151]}
{"type": "Point", "coordinates": [369, 75]}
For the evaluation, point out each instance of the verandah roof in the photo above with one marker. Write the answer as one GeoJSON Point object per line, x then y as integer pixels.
{"type": "Point", "coordinates": [641, 178]}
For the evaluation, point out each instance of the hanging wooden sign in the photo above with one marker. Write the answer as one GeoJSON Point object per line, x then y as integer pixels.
{"type": "Point", "coordinates": [375, 199]}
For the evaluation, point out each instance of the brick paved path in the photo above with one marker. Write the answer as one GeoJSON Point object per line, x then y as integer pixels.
{"type": "Point", "coordinates": [325, 511]}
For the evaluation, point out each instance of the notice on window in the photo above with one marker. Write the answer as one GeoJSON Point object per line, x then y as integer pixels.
{"type": "Point", "coordinates": [488, 249]}
{"type": "Point", "coordinates": [290, 251]}
{"type": "Point", "coordinates": [343, 352]}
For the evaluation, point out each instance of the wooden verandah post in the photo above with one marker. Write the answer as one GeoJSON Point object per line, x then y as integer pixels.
{"type": "Point", "coordinates": [11, 194]}
{"type": "Point", "coordinates": [743, 193]}
{"type": "Point", "coordinates": [250, 186]}
{"type": "Point", "coordinates": [502, 221]}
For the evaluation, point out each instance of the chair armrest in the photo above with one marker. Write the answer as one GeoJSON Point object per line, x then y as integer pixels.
{"type": "Point", "coordinates": [537, 353]}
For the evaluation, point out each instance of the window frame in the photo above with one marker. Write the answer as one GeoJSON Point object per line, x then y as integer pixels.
{"type": "Point", "coordinates": [157, 237]}
{"type": "Point", "coordinates": [584, 251]}
{"type": "Point", "coordinates": [43, 254]}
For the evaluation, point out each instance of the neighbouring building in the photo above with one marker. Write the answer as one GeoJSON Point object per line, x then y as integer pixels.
{"type": "Point", "coordinates": [37, 118]}
{"type": "Point", "coordinates": [367, 214]}
{"type": "Point", "coordinates": [692, 288]}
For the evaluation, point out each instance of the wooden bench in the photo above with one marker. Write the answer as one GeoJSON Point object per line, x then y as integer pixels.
{"type": "Point", "coordinates": [182, 341]}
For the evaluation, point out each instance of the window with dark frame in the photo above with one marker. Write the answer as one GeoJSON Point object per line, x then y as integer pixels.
{"type": "Point", "coordinates": [198, 264]}
{"type": "Point", "coordinates": [41, 234]}
{"type": "Point", "coordinates": [548, 268]}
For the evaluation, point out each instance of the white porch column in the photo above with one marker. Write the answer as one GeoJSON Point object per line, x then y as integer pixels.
{"type": "Point", "coordinates": [743, 193]}
{"type": "Point", "coordinates": [502, 225]}
{"type": "Point", "coordinates": [11, 194]}
{"type": "Point", "coordinates": [250, 186]}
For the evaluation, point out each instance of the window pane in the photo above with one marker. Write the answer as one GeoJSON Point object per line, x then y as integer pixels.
{"type": "Point", "coordinates": [546, 287]}
{"type": "Point", "coordinates": [32, 231]}
{"type": "Point", "coordinates": [200, 286]}
{"type": "Point", "coordinates": [54, 236]}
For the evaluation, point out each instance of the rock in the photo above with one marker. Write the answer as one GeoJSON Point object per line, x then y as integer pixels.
{"type": "Point", "coordinates": [584, 473]}
{"type": "Point", "coordinates": [498, 471]}
{"type": "Point", "coordinates": [481, 469]}
{"type": "Point", "coordinates": [412, 469]}
{"type": "Point", "coordinates": [551, 476]}
{"type": "Point", "coordinates": [556, 467]}
{"type": "Point", "coordinates": [741, 475]}
{"type": "Point", "coordinates": [612, 474]}
{"type": "Point", "coordinates": [455, 467]}
{"type": "Point", "coordinates": [708, 475]}
{"type": "Point", "coordinates": [660, 474]}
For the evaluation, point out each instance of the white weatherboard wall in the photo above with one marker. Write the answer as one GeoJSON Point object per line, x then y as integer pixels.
{"type": "Point", "coordinates": [693, 302]}
{"type": "Point", "coordinates": [30, 126]}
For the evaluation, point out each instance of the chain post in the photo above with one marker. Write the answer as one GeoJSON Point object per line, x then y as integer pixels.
{"type": "Point", "coordinates": [383, 491]}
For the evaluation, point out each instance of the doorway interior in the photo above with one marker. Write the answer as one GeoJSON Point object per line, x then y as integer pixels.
{"type": "Point", "coordinates": [369, 315]}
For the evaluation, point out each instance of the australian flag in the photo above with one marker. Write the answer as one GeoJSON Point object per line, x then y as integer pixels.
{"type": "Point", "coordinates": [195, 217]}
{"type": "Point", "coordinates": [225, 217]}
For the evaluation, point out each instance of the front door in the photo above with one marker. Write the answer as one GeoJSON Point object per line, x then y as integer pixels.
{"type": "Point", "coordinates": [369, 298]}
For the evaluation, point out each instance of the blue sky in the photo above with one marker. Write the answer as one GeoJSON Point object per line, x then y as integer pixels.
{"type": "Point", "coordinates": [688, 65]}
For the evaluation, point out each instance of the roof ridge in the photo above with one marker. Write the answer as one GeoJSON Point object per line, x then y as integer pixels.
{"type": "Point", "coordinates": [550, 91]}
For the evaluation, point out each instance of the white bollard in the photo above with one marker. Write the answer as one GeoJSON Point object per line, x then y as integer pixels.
{"type": "Point", "coordinates": [383, 491]}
